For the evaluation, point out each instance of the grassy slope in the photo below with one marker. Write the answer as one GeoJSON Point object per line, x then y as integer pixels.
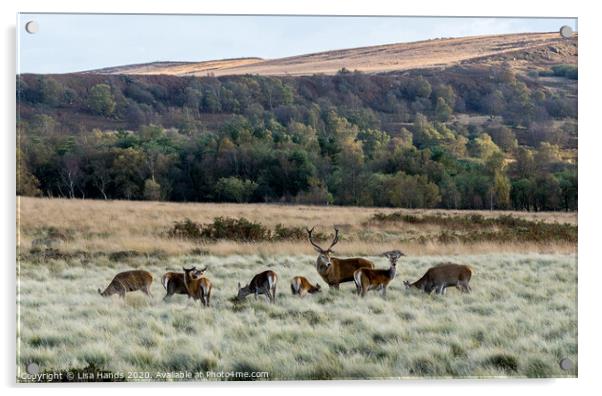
{"type": "Point", "coordinates": [519, 321]}
{"type": "Point", "coordinates": [523, 50]}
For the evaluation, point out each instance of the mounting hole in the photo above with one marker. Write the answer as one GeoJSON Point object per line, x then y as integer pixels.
{"type": "Point", "coordinates": [566, 31]}
{"type": "Point", "coordinates": [566, 364]}
{"type": "Point", "coordinates": [33, 368]}
{"type": "Point", "coordinates": [31, 27]}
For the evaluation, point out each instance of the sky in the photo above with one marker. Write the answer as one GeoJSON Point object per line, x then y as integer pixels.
{"type": "Point", "coordinates": [75, 42]}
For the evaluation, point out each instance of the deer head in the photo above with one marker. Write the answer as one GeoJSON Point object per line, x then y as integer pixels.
{"type": "Point", "coordinates": [242, 292]}
{"type": "Point", "coordinates": [324, 254]}
{"type": "Point", "coordinates": [393, 256]}
{"type": "Point", "coordinates": [193, 273]}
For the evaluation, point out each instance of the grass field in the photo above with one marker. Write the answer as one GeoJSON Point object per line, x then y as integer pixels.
{"type": "Point", "coordinates": [520, 320]}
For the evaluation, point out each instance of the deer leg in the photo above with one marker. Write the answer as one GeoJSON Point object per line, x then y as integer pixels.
{"type": "Point", "coordinates": [202, 296]}
{"type": "Point", "coordinates": [384, 291]}
{"type": "Point", "coordinates": [274, 293]}
{"type": "Point", "coordinates": [268, 295]}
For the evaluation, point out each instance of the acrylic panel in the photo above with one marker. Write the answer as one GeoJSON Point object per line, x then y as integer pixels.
{"type": "Point", "coordinates": [263, 197]}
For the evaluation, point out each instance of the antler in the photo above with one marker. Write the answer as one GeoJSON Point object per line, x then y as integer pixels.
{"type": "Point", "coordinates": [393, 255]}
{"type": "Point", "coordinates": [336, 238]}
{"type": "Point", "coordinates": [311, 240]}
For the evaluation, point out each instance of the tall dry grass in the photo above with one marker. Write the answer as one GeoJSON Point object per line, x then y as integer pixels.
{"type": "Point", "coordinates": [113, 226]}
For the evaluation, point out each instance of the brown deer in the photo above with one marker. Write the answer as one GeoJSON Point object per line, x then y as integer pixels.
{"type": "Point", "coordinates": [371, 279]}
{"type": "Point", "coordinates": [129, 281]}
{"type": "Point", "coordinates": [442, 276]}
{"type": "Point", "coordinates": [336, 270]}
{"type": "Point", "coordinates": [301, 286]}
{"type": "Point", "coordinates": [173, 282]}
{"type": "Point", "coordinates": [198, 285]}
{"type": "Point", "coordinates": [263, 283]}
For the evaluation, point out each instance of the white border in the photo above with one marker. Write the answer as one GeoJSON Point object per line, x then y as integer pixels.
{"type": "Point", "coordinates": [590, 275]}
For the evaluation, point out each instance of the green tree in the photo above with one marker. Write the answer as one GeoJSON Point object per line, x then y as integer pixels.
{"type": "Point", "coordinates": [152, 190]}
{"type": "Point", "coordinates": [233, 189]}
{"type": "Point", "coordinates": [442, 110]}
{"type": "Point", "coordinates": [51, 92]}
{"type": "Point", "coordinates": [484, 147]}
{"type": "Point", "coordinates": [501, 190]}
{"type": "Point", "coordinates": [101, 100]}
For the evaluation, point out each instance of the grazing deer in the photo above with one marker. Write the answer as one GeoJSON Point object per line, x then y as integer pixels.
{"type": "Point", "coordinates": [197, 284]}
{"type": "Point", "coordinates": [300, 286]}
{"type": "Point", "coordinates": [440, 277]}
{"type": "Point", "coordinates": [370, 279]}
{"type": "Point", "coordinates": [335, 270]}
{"type": "Point", "coordinates": [263, 283]}
{"type": "Point", "coordinates": [129, 281]}
{"type": "Point", "coordinates": [173, 282]}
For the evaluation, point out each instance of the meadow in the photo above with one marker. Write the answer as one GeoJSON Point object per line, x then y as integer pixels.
{"type": "Point", "coordinates": [105, 227]}
{"type": "Point", "coordinates": [519, 321]}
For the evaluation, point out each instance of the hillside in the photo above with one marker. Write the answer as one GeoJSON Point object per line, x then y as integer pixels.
{"type": "Point", "coordinates": [496, 131]}
{"type": "Point", "coordinates": [523, 51]}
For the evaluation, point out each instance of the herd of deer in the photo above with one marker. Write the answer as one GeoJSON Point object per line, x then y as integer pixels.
{"type": "Point", "coordinates": [333, 270]}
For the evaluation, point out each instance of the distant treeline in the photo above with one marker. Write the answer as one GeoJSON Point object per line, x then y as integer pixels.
{"type": "Point", "coordinates": [399, 140]}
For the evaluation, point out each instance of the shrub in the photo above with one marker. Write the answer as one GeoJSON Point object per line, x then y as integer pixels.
{"type": "Point", "coordinates": [186, 229]}
{"type": "Point", "coordinates": [235, 229]}
{"type": "Point", "coordinates": [477, 228]}
{"type": "Point", "coordinates": [238, 230]}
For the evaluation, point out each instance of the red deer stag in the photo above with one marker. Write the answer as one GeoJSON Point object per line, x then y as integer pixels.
{"type": "Point", "coordinates": [374, 279]}
{"type": "Point", "coordinates": [129, 281]}
{"type": "Point", "coordinates": [301, 286]}
{"type": "Point", "coordinates": [198, 285]}
{"type": "Point", "coordinates": [440, 277]}
{"type": "Point", "coordinates": [263, 283]}
{"type": "Point", "coordinates": [336, 270]}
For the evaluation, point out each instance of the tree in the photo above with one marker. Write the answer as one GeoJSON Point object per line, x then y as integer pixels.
{"type": "Point", "coordinates": [152, 190]}
{"type": "Point", "coordinates": [484, 147]}
{"type": "Point", "coordinates": [442, 110]}
{"type": "Point", "coordinates": [503, 137]}
{"type": "Point", "coordinates": [51, 92]}
{"type": "Point", "coordinates": [27, 183]}
{"type": "Point", "coordinates": [233, 189]}
{"type": "Point", "coordinates": [418, 88]}
{"type": "Point", "coordinates": [346, 178]}
{"type": "Point", "coordinates": [501, 190]}
{"type": "Point", "coordinates": [101, 100]}
{"type": "Point", "coordinates": [128, 170]}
